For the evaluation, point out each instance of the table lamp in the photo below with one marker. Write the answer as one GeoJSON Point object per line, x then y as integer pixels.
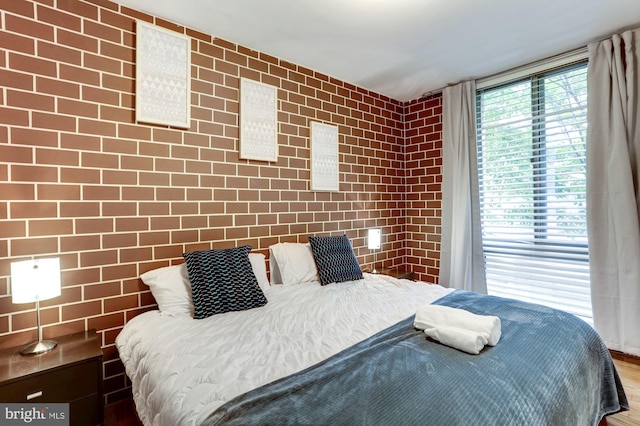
{"type": "Point", "coordinates": [374, 238]}
{"type": "Point", "coordinates": [33, 281]}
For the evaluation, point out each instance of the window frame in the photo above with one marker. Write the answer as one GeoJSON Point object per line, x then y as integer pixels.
{"type": "Point", "coordinates": [541, 248]}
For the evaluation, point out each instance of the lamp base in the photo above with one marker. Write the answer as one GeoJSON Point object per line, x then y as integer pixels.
{"type": "Point", "coordinates": [38, 347]}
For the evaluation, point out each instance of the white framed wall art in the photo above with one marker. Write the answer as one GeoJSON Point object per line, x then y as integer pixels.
{"type": "Point", "coordinates": [258, 121]}
{"type": "Point", "coordinates": [324, 157]}
{"type": "Point", "coordinates": [163, 76]}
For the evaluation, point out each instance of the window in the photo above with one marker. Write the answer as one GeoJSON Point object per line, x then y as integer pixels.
{"type": "Point", "coordinates": [532, 177]}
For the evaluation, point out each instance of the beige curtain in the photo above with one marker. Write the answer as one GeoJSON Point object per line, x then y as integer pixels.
{"type": "Point", "coordinates": [613, 189]}
{"type": "Point", "coordinates": [461, 255]}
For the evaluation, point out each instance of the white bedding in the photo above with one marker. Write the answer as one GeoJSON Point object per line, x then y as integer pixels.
{"type": "Point", "coordinates": [183, 369]}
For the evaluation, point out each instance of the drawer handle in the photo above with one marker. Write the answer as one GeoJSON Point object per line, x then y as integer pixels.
{"type": "Point", "coordinates": [34, 395]}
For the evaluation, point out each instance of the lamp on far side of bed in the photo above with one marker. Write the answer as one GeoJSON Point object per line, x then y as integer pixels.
{"type": "Point", "coordinates": [374, 239]}
{"type": "Point", "coordinates": [33, 281]}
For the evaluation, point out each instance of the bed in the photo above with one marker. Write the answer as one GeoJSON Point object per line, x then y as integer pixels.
{"type": "Point", "coordinates": [345, 351]}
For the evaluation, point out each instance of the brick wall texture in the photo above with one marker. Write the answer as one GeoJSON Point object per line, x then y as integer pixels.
{"type": "Point", "coordinates": [81, 180]}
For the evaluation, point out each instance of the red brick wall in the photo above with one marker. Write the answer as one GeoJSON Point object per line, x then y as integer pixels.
{"type": "Point", "coordinates": [423, 134]}
{"type": "Point", "coordinates": [79, 179]}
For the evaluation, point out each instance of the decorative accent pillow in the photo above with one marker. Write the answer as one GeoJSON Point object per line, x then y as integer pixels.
{"type": "Point", "coordinates": [222, 281]}
{"type": "Point", "coordinates": [335, 259]}
{"type": "Point", "coordinates": [171, 288]}
{"type": "Point", "coordinates": [292, 263]}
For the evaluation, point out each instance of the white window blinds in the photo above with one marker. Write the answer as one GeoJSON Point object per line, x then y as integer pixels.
{"type": "Point", "coordinates": [532, 176]}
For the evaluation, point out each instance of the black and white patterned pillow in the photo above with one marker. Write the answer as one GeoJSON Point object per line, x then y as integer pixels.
{"type": "Point", "coordinates": [335, 259]}
{"type": "Point", "coordinates": [222, 281]}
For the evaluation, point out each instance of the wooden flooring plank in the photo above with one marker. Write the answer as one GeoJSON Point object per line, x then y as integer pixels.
{"type": "Point", "coordinates": [629, 373]}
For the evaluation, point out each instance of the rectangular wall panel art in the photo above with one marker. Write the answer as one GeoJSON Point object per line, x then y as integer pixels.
{"type": "Point", "coordinates": [258, 121]}
{"type": "Point", "coordinates": [163, 76]}
{"type": "Point", "coordinates": [324, 157]}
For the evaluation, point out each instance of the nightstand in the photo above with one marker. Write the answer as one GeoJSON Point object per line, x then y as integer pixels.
{"type": "Point", "coordinates": [402, 274]}
{"type": "Point", "coordinates": [70, 373]}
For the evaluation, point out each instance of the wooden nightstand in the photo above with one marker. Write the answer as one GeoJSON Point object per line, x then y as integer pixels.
{"type": "Point", "coordinates": [70, 373]}
{"type": "Point", "coordinates": [402, 274]}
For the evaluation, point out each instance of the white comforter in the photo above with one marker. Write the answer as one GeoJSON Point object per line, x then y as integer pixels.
{"type": "Point", "coordinates": [182, 369]}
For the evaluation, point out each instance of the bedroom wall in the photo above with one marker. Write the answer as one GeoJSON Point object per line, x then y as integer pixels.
{"type": "Point", "coordinates": [423, 139]}
{"type": "Point", "coordinates": [79, 179]}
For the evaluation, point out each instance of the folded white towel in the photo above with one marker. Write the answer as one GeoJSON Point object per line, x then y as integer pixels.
{"type": "Point", "coordinates": [458, 338]}
{"type": "Point", "coordinates": [429, 316]}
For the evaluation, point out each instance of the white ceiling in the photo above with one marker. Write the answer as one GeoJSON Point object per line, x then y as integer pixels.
{"type": "Point", "coordinates": [403, 48]}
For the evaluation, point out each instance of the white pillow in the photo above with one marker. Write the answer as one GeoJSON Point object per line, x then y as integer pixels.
{"type": "Point", "coordinates": [171, 288]}
{"type": "Point", "coordinates": [259, 266]}
{"type": "Point", "coordinates": [292, 263]}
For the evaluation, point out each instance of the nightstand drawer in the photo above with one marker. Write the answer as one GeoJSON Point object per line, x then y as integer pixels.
{"type": "Point", "coordinates": [60, 385]}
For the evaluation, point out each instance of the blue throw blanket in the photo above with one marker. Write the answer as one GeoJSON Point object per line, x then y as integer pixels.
{"type": "Point", "coordinates": [549, 368]}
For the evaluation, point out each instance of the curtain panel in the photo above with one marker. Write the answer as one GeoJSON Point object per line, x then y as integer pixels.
{"type": "Point", "coordinates": [461, 253]}
{"type": "Point", "coordinates": [613, 189]}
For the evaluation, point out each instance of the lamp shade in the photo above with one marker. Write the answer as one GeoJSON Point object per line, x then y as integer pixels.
{"type": "Point", "coordinates": [374, 238]}
{"type": "Point", "coordinates": [33, 280]}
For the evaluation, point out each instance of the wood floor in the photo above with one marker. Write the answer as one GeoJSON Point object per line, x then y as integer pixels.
{"type": "Point", "coordinates": [629, 371]}
{"type": "Point", "coordinates": [123, 413]}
